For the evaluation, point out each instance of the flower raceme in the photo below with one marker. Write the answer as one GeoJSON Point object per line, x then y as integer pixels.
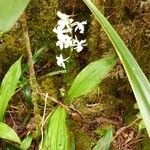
{"type": "Point", "coordinates": [64, 30]}
{"type": "Point", "coordinates": [64, 27]}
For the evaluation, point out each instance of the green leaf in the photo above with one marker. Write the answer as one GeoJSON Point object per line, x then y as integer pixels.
{"type": "Point", "coordinates": [8, 86]}
{"type": "Point", "coordinates": [25, 144]}
{"type": "Point", "coordinates": [53, 73]}
{"type": "Point", "coordinates": [27, 92]}
{"type": "Point", "coordinates": [10, 11]}
{"type": "Point", "coordinates": [91, 76]}
{"type": "Point", "coordinates": [56, 136]}
{"type": "Point", "coordinates": [105, 142]}
{"type": "Point", "coordinates": [137, 79]}
{"type": "Point", "coordinates": [37, 54]}
{"type": "Point", "coordinates": [11, 147]}
{"type": "Point", "coordinates": [1, 34]}
{"type": "Point", "coordinates": [141, 125]}
{"type": "Point", "coordinates": [8, 133]}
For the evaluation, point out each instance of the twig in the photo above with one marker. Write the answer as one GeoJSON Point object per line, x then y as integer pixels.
{"type": "Point", "coordinates": [72, 107]}
{"type": "Point", "coordinates": [43, 118]}
{"type": "Point", "coordinates": [55, 100]}
{"type": "Point", "coordinates": [124, 128]}
{"type": "Point", "coordinates": [68, 108]}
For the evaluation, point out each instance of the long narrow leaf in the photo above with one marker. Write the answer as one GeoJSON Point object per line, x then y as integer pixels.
{"type": "Point", "coordinates": [56, 136]}
{"type": "Point", "coordinates": [8, 133]}
{"type": "Point", "coordinates": [137, 79]}
{"type": "Point", "coordinates": [10, 11]}
{"type": "Point", "coordinates": [91, 76]}
{"type": "Point", "coordinates": [8, 86]}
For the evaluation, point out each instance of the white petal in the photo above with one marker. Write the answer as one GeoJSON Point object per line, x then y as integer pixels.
{"type": "Point", "coordinates": [61, 23]}
{"type": "Point", "coordinates": [62, 16]}
{"type": "Point", "coordinates": [60, 44]}
{"type": "Point", "coordinates": [60, 61]}
{"type": "Point", "coordinates": [80, 26]}
{"type": "Point", "coordinates": [79, 48]}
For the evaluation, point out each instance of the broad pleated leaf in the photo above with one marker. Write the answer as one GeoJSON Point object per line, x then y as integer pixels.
{"type": "Point", "coordinates": [10, 11]}
{"type": "Point", "coordinates": [8, 133]}
{"type": "Point", "coordinates": [91, 76]}
{"type": "Point", "coordinates": [137, 79]}
{"type": "Point", "coordinates": [56, 136]}
{"type": "Point", "coordinates": [105, 142]}
{"type": "Point", "coordinates": [8, 86]}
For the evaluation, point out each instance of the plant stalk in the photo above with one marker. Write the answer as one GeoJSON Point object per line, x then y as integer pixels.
{"type": "Point", "coordinates": [32, 78]}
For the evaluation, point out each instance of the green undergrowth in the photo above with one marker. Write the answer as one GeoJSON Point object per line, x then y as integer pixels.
{"type": "Point", "coordinates": [128, 18]}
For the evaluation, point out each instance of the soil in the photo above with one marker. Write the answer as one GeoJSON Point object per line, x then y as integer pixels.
{"type": "Point", "coordinates": [112, 103]}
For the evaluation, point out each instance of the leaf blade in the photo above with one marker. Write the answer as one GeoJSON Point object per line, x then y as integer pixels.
{"type": "Point", "coordinates": [105, 141]}
{"type": "Point", "coordinates": [10, 11]}
{"type": "Point", "coordinates": [8, 86]}
{"type": "Point", "coordinates": [91, 76]}
{"type": "Point", "coordinates": [56, 136]}
{"type": "Point", "coordinates": [8, 133]}
{"type": "Point", "coordinates": [137, 79]}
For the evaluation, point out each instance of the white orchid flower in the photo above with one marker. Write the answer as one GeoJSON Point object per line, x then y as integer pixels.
{"type": "Point", "coordinates": [58, 30]}
{"type": "Point", "coordinates": [60, 44]}
{"type": "Point", "coordinates": [64, 41]}
{"type": "Point", "coordinates": [67, 41]}
{"type": "Point", "coordinates": [60, 61]}
{"type": "Point", "coordinates": [64, 20]}
{"type": "Point", "coordinates": [64, 31]}
{"type": "Point", "coordinates": [61, 23]}
{"type": "Point", "coordinates": [80, 26]}
{"type": "Point", "coordinates": [62, 16]}
{"type": "Point", "coordinates": [79, 44]}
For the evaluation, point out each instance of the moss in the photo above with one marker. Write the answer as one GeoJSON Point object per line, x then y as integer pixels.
{"type": "Point", "coordinates": [105, 105]}
{"type": "Point", "coordinates": [41, 16]}
{"type": "Point", "coordinates": [47, 86]}
{"type": "Point", "coordinates": [129, 19]}
{"type": "Point", "coordinates": [83, 142]}
{"type": "Point", "coordinates": [144, 145]}
{"type": "Point", "coordinates": [11, 48]}
{"type": "Point", "coordinates": [129, 112]}
{"type": "Point", "coordinates": [41, 21]}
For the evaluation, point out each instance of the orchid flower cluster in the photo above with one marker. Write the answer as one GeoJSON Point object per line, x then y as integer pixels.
{"type": "Point", "coordinates": [64, 30]}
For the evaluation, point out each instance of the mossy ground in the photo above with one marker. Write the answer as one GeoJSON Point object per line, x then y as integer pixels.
{"type": "Point", "coordinates": [111, 103]}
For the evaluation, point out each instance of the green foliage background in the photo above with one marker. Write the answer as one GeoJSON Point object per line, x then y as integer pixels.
{"type": "Point", "coordinates": [129, 19]}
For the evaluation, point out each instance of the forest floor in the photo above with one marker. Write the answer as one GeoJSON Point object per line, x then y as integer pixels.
{"type": "Point", "coordinates": [112, 104]}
